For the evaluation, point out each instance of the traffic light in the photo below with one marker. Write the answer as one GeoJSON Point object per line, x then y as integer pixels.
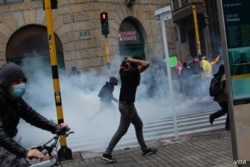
{"type": "Point", "coordinates": [104, 23]}
{"type": "Point", "coordinates": [53, 4]}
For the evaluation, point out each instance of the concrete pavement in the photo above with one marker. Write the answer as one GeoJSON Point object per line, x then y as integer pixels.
{"type": "Point", "coordinates": [210, 149]}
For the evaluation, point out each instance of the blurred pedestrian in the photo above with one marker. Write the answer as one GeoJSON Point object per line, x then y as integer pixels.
{"type": "Point", "coordinates": [178, 69]}
{"type": "Point", "coordinates": [74, 71]}
{"type": "Point", "coordinates": [196, 78]}
{"type": "Point", "coordinates": [185, 79]}
{"type": "Point", "coordinates": [206, 68]}
{"type": "Point", "coordinates": [106, 94]}
{"type": "Point", "coordinates": [206, 74]}
{"type": "Point", "coordinates": [221, 99]}
{"type": "Point", "coordinates": [130, 70]}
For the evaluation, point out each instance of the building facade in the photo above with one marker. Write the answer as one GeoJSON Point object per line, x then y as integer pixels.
{"type": "Point", "coordinates": [133, 30]}
{"type": "Point", "coordinates": [197, 28]}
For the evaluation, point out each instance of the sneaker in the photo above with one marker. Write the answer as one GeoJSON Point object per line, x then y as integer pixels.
{"type": "Point", "coordinates": [108, 158]}
{"type": "Point", "coordinates": [149, 151]}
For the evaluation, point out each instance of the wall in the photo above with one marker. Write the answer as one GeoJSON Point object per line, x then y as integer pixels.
{"type": "Point", "coordinates": [75, 16]}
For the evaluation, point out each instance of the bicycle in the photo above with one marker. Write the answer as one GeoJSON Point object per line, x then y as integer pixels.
{"type": "Point", "coordinates": [50, 148]}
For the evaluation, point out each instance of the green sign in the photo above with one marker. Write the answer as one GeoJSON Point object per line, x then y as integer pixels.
{"type": "Point", "coordinates": [85, 33]}
{"type": "Point", "coordinates": [173, 61]}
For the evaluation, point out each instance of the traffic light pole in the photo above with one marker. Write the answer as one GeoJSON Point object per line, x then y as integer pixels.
{"type": "Point", "coordinates": [107, 55]}
{"type": "Point", "coordinates": [196, 29]}
{"type": "Point", "coordinates": [105, 32]}
{"type": "Point", "coordinates": [64, 152]}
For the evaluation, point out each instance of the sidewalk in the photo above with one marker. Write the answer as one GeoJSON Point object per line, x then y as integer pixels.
{"type": "Point", "coordinates": [211, 149]}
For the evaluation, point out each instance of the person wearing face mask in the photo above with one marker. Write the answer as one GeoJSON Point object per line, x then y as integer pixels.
{"type": "Point", "coordinates": [12, 109]}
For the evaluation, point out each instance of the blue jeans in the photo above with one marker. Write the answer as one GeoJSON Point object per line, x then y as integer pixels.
{"type": "Point", "coordinates": [128, 115]}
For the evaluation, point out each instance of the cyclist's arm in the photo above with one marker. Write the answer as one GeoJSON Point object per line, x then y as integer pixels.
{"type": "Point", "coordinates": [36, 119]}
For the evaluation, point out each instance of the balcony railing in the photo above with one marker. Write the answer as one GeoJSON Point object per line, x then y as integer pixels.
{"type": "Point", "coordinates": [182, 3]}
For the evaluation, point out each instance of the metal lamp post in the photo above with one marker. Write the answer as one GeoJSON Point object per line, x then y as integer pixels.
{"type": "Point", "coordinates": [162, 15]}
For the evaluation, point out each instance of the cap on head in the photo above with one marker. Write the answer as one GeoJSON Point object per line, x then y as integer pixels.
{"type": "Point", "coordinates": [113, 80]}
{"type": "Point", "coordinates": [9, 73]}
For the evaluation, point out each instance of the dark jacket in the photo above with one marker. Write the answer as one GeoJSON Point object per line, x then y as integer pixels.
{"type": "Point", "coordinates": [223, 95]}
{"type": "Point", "coordinates": [106, 93]}
{"type": "Point", "coordinates": [130, 79]}
{"type": "Point", "coordinates": [13, 109]}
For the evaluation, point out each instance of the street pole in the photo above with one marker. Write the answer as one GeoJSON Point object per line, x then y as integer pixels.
{"type": "Point", "coordinates": [196, 29]}
{"type": "Point", "coordinates": [107, 54]}
{"type": "Point", "coordinates": [105, 31]}
{"type": "Point", "coordinates": [170, 83]}
{"type": "Point", "coordinates": [64, 152]}
{"type": "Point", "coordinates": [164, 14]}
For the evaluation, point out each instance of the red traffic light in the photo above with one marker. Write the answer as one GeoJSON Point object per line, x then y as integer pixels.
{"type": "Point", "coordinates": [104, 23]}
{"type": "Point", "coordinates": [104, 16]}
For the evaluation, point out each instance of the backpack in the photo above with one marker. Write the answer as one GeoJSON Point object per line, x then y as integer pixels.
{"type": "Point", "coordinates": [214, 88]}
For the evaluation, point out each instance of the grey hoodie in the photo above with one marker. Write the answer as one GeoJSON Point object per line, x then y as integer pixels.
{"type": "Point", "coordinates": [13, 109]}
{"type": "Point", "coordinates": [9, 73]}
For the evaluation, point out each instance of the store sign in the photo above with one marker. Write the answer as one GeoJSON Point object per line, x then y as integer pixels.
{"type": "Point", "coordinates": [237, 24]}
{"type": "Point", "coordinates": [127, 36]}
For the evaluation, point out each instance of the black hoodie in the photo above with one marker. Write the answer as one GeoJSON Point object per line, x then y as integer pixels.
{"type": "Point", "coordinates": [13, 109]}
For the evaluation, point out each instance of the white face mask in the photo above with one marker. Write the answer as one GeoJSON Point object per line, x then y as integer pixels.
{"type": "Point", "coordinates": [18, 90]}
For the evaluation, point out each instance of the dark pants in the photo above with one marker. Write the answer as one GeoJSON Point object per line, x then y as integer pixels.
{"type": "Point", "coordinates": [7, 159]}
{"type": "Point", "coordinates": [223, 111]}
{"type": "Point", "coordinates": [128, 115]}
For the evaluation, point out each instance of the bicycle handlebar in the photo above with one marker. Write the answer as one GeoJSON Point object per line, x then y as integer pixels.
{"type": "Point", "coordinates": [63, 132]}
{"type": "Point", "coordinates": [46, 148]}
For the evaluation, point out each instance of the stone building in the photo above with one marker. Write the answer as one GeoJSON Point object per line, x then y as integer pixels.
{"type": "Point", "coordinates": [205, 27]}
{"type": "Point", "coordinates": [133, 30]}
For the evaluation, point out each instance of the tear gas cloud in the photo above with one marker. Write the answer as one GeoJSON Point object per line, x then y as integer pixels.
{"type": "Point", "coordinates": [93, 125]}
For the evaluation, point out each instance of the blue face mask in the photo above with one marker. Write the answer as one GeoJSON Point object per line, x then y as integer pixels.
{"type": "Point", "coordinates": [18, 90]}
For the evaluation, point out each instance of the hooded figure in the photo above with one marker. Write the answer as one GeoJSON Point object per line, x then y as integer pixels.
{"type": "Point", "coordinates": [221, 99]}
{"type": "Point", "coordinates": [106, 92]}
{"type": "Point", "coordinates": [14, 108]}
{"type": "Point", "coordinates": [9, 73]}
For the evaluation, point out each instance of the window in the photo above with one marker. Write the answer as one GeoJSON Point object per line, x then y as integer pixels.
{"type": "Point", "coordinates": [183, 34]}
{"type": "Point", "coordinates": [176, 4]}
{"type": "Point", "coordinates": [184, 2]}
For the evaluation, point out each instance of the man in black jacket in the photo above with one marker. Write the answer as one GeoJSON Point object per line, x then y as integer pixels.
{"type": "Point", "coordinates": [130, 70]}
{"type": "Point", "coordinates": [106, 96]}
{"type": "Point", "coordinates": [106, 92]}
{"type": "Point", "coordinates": [12, 109]}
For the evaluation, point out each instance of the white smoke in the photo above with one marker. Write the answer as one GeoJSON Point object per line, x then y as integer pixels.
{"type": "Point", "coordinates": [93, 126]}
